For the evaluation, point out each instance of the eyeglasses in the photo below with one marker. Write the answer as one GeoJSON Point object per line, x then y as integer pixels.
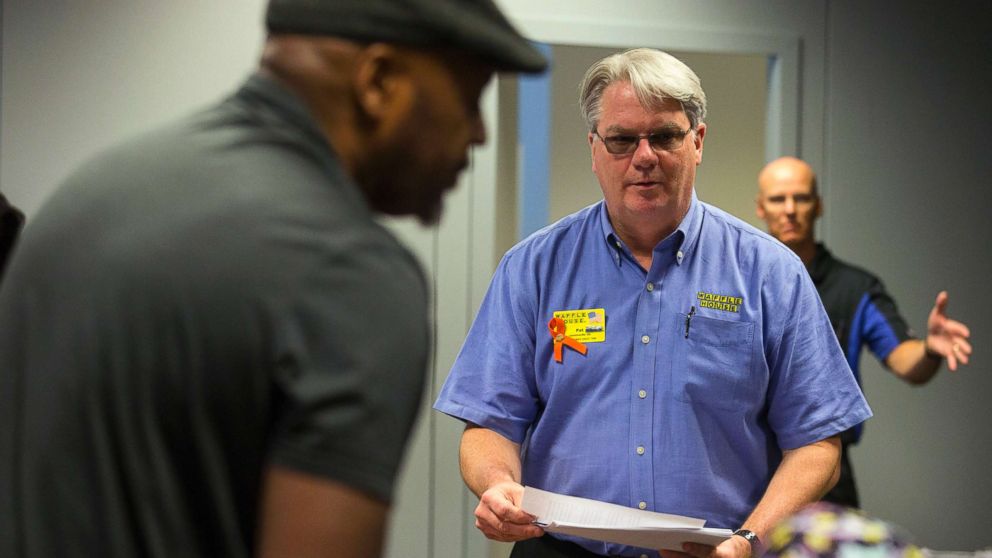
{"type": "Point", "coordinates": [666, 140]}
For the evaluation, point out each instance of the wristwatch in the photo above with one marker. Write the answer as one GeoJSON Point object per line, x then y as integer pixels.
{"type": "Point", "coordinates": [749, 536]}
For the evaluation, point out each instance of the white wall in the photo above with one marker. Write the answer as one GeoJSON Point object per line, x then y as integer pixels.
{"type": "Point", "coordinates": [78, 76]}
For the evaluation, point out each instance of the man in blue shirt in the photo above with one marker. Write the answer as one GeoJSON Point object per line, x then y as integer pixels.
{"type": "Point", "coordinates": [860, 309]}
{"type": "Point", "coordinates": [714, 387]}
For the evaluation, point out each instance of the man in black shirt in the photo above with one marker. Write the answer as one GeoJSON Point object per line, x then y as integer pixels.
{"type": "Point", "coordinates": [209, 346]}
{"type": "Point", "coordinates": [860, 310]}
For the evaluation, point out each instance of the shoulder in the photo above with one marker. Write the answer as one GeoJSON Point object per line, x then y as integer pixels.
{"type": "Point", "coordinates": [219, 197]}
{"type": "Point", "coordinates": [852, 271]}
{"type": "Point", "coordinates": [567, 235]}
{"type": "Point", "coordinates": [753, 248]}
{"type": "Point", "coordinates": [834, 276]}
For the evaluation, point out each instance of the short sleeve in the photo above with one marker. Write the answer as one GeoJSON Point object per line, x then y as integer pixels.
{"type": "Point", "coordinates": [812, 393]}
{"type": "Point", "coordinates": [491, 383]}
{"type": "Point", "coordinates": [883, 328]}
{"type": "Point", "coordinates": [351, 355]}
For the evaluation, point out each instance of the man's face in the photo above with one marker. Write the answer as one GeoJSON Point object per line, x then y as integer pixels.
{"type": "Point", "coordinates": [651, 183]}
{"type": "Point", "coordinates": [429, 145]}
{"type": "Point", "coordinates": [788, 203]}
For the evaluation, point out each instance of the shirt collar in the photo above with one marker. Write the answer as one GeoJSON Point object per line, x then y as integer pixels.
{"type": "Point", "coordinates": [287, 116]}
{"type": "Point", "coordinates": [682, 239]}
{"type": "Point", "coordinates": [265, 91]}
{"type": "Point", "coordinates": [823, 260]}
{"type": "Point", "coordinates": [611, 238]}
{"type": "Point", "coordinates": [690, 227]}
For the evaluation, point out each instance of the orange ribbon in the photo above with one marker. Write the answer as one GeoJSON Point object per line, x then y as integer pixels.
{"type": "Point", "coordinates": [557, 327]}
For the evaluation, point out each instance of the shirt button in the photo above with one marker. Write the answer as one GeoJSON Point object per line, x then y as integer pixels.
{"type": "Point", "coordinates": [649, 287]}
{"type": "Point", "coordinates": [678, 256]}
{"type": "Point", "coordinates": [645, 339]}
{"type": "Point", "coordinates": [640, 450]}
{"type": "Point", "coordinates": [642, 505]}
{"type": "Point", "coordinates": [642, 394]}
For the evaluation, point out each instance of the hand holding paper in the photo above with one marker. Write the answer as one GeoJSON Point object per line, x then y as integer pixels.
{"type": "Point", "coordinates": [499, 516]}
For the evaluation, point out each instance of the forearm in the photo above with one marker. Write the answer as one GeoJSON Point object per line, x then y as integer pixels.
{"type": "Point", "coordinates": [490, 466]}
{"type": "Point", "coordinates": [804, 476]}
{"type": "Point", "coordinates": [487, 458]}
{"type": "Point", "coordinates": [304, 516]}
{"type": "Point", "coordinates": [910, 362]}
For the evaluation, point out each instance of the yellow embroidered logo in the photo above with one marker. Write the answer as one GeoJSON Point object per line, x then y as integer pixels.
{"type": "Point", "coordinates": [720, 302]}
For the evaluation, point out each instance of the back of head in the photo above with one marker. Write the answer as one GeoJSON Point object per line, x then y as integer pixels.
{"type": "Point", "coordinates": [476, 27]}
{"type": "Point", "coordinates": [656, 76]}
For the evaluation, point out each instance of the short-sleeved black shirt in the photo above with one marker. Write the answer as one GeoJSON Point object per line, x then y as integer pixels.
{"type": "Point", "coordinates": [860, 309]}
{"type": "Point", "coordinates": [187, 308]}
{"type": "Point", "coordinates": [862, 313]}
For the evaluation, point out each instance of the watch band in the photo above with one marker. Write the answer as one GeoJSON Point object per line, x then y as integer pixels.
{"type": "Point", "coordinates": [750, 537]}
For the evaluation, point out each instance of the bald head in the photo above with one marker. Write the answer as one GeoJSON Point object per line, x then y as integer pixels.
{"type": "Point", "coordinates": [787, 169]}
{"type": "Point", "coordinates": [789, 204]}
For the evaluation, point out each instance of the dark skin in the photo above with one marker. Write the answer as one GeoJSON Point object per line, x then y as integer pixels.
{"type": "Point", "coordinates": [308, 517]}
{"type": "Point", "coordinates": [400, 122]}
{"type": "Point", "coordinates": [353, 92]}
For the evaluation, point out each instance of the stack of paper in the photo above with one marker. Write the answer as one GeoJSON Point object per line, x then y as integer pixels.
{"type": "Point", "coordinates": [592, 519]}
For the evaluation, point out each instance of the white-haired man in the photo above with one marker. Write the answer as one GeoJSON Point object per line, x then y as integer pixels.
{"type": "Point", "coordinates": [714, 389]}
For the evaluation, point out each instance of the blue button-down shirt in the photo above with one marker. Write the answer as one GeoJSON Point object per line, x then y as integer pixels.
{"type": "Point", "coordinates": [714, 360]}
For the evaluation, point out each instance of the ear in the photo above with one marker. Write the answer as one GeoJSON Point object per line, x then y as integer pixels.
{"type": "Point", "coordinates": [698, 142]}
{"type": "Point", "coordinates": [379, 80]}
{"type": "Point", "coordinates": [819, 207]}
{"type": "Point", "coordinates": [759, 208]}
{"type": "Point", "coordinates": [592, 155]}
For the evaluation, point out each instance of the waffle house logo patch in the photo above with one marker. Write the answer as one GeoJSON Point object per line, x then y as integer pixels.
{"type": "Point", "coordinates": [720, 302]}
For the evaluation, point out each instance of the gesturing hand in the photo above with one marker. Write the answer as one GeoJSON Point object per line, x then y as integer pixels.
{"type": "Point", "coordinates": [947, 337]}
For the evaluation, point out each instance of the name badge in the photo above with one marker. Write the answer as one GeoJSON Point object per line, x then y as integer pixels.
{"type": "Point", "coordinates": [587, 325]}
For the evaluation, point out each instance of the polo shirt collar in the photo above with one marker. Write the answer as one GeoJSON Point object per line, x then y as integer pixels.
{"type": "Point", "coordinates": [286, 114]}
{"type": "Point", "coordinates": [821, 265]}
{"type": "Point", "coordinates": [681, 241]}
{"type": "Point", "coordinates": [285, 103]}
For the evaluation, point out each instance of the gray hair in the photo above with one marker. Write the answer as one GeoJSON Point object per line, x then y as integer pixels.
{"type": "Point", "coordinates": [656, 76]}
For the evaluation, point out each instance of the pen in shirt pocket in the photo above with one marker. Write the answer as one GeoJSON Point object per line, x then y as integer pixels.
{"type": "Point", "coordinates": [688, 320]}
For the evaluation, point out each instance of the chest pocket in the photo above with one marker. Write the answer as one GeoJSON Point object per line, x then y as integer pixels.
{"type": "Point", "coordinates": [713, 364]}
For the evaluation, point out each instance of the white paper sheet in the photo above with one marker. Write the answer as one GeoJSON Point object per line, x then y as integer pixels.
{"type": "Point", "coordinates": [592, 519]}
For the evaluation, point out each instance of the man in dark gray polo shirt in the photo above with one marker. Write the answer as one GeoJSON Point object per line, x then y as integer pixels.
{"type": "Point", "coordinates": [209, 347]}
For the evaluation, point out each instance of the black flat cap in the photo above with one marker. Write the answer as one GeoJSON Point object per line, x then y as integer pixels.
{"type": "Point", "coordinates": [474, 26]}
